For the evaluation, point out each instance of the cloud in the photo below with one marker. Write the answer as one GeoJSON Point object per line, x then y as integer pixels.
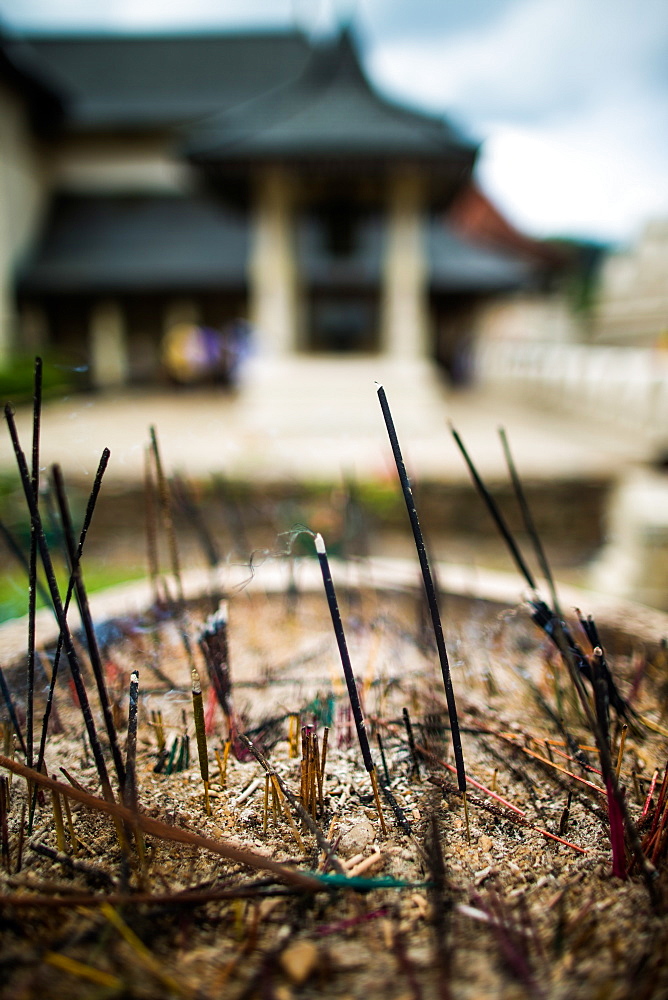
{"type": "Point", "coordinates": [420, 19]}
{"type": "Point", "coordinates": [156, 14]}
{"type": "Point", "coordinates": [569, 98]}
{"type": "Point", "coordinates": [553, 182]}
{"type": "Point", "coordinates": [540, 58]}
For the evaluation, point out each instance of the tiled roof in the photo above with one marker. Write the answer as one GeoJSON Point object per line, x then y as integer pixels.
{"type": "Point", "coordinates": [149, 81]}
{"type": "Point", "coordinates": [112, 244]}
{"type": "Point", "coordinates": [329, 112]}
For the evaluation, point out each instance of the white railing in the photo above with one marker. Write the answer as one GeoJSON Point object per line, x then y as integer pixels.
{"type": "Point", "coordinates": [623, 386]}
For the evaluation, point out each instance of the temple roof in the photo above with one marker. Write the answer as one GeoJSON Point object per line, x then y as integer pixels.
{"type": "Point", "coordinates": [161, 81]}
{"type": "Point", "coordinates": [137, 243]}
{"type": "Point", "coordinates": [95, 244]}
{"type": "Point", "coordinates": [459, 265]}
{"type": "Point", "coordinates": [330, 111]}
{"type": "Point", "coordinates": [22, 71]}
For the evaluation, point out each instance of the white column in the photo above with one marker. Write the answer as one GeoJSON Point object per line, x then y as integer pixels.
{"type": "Point", "coordinates": [404, 322]}
{"type": "Point", "coordinates": [108, 346]}
{"type": "Point", "coordinates": [272, 266]}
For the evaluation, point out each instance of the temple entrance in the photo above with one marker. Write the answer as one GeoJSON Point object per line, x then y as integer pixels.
{"type": "Point", "coordinates": [342, 323]}
{"type": "Point", "coordinates": [453, 323]}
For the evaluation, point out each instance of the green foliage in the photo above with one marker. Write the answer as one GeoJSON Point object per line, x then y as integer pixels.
{"type": "Point", "coordinates": [14, 587]}
{"type": "Point", "coordinates": [58, 378]}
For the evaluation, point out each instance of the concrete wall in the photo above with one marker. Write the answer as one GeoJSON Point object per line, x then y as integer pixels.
{"type": "Point", "coordinates": [24, 185]}
{"type": "Point", "coordinates": [632, 303]}
{"type": "Point", "coordinates": [527, 318]}
{"type": "Point", "coordinates": [620, 386]}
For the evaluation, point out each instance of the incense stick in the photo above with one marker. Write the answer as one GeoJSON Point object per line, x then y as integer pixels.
{"type": "Point", "coordinates": [87, 621]}
{"type": "Point", "coordinates": [495, 513]}
{"type": "Point", "coordinates": [429, 587]}
{"type": "Point", "coordinates": [353, 694]}
{"type": "Point", "coordinates": [32, 571]}
{"type": "Point", "coordinates": [58, 606]}
{"type": "Point", "coordinates": [200, 733]}
{"type": "Point", "coordinates": [130, 785]}
{"type": "Point", "coordinates": [529, 522]}
{"type": "Point", "coordinates": [11, 708]}
{"type": "Point", "coordinates": [88, 516]}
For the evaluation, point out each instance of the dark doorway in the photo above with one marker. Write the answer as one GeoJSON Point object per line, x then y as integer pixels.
{"type": "Point", "coordinates": [343, 323]}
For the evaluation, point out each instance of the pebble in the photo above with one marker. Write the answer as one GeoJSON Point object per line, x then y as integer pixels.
{"type": "Point", "coordinates": [356, 838]}
{"type": "Point", "coordinates": [298, 961]}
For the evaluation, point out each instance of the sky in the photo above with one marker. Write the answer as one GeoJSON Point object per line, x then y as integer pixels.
{"type": "Point", "coordinates": [569, 98]}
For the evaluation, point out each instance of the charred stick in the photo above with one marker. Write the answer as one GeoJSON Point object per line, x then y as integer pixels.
{"type": "Point", "coordinates": [88, 516]}
{"type": "Point", "coordinates": [430, 589]}
{"type": "Point", "coordinates": [353, 693]}
{"type": "Point", "coordinates": [615, 793]}
{"type": "Point", "coordinates": [192, 510]}
{"type": "Point", "coordinates": [58, 607]}
{"type": "Point", "coordinates": [411, 742]}
{"type": "Point", "coordinates": [168, 521]}
{"type": "Point", "coordinates": [32, 569]}
{"type": "Point", "coordinates": [151, 528]}
{"type": "Point", "coordinates": [130, 784]}
{"type": "Point", "coordinates": [529, 522]}
{"type": "Point", "coordinates": [496, 514]}
{"type": "Point", "coordinates": [4, 824]}
{"type": "Point", "coordinates": [11, 708]}
{"type": "Point", "coordinates": [200, 734]}
{"type": "Point", "coordinates": [215, 649]}
{"type": "Point", "coordinates": [74, 561]}
{"type": "Point", "coordinates": [381, 750]}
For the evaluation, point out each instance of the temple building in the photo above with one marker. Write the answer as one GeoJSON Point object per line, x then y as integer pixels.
{"type": "Point", "coordinates": [152, 182]}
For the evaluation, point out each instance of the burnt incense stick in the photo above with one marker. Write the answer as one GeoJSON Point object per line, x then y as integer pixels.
{"type": "Point", "coordinates": [529, 522]}
{"type": "Point", "coordinates": [200, 733]}
{"type": "Point", "coordinates": [214, 646]}
{"type": "Point", "coordinates": [11, 708]}
{"type": "Point", "coordinates": [130, 785]}
{"type": "Point", "coordinates": [495, 513]}
{"type": "Point", "coordinates": [168, 522]}
{"type": "Point", "coordinates": [58, 822]}
{"type": "Point", "coordinates": [542, 615]}
{"type": "Point", "coordinates": [88, 517]}
{"type": "Point", "coordinates": [353, 694]}
{"type": "Point", "coordinates": [58, 607]}
{"type": "Point", "coordinates": [32, 569]}
{"type": "Point", "coordinates": [285, 797]}
{"type": "Point", "coordinates": [430, 589]}
{"type": "Point", "coordinates": [381, 750]}
{"type": "Point", "coordinates": [411, 742]}
{"type": "Point", "coordinates": [185, 499]}
{"type": "Point", "coordinates": [4, 825]}
{"type": "Point", "coordinates": [87, 620]}
{"type": "Point", "coordinates": [151, 528]}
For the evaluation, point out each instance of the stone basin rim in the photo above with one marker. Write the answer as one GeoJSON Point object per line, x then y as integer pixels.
{"type": "Point", "coordinates": [464, 581]}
